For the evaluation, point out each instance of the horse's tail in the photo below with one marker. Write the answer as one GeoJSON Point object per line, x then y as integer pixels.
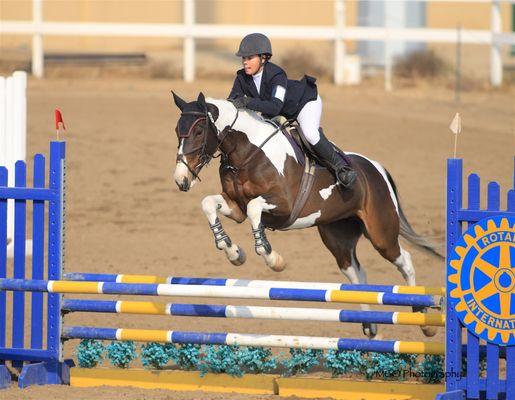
{"type": "Point", "coordinates": [407, 231]}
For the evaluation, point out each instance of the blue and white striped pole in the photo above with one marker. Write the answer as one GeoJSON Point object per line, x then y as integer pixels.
{"type": "Point", "coordinates": [317, 295]}
{"type": "Point", "coordinates": [253, 312]}
{"type": "Point", "coordinates": [244, 339]}
{"type": "Point", "coordinates": [124, 278]}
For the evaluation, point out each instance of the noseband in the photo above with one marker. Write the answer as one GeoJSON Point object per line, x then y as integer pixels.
{"type": "Point", "coordinates": [205, 155]}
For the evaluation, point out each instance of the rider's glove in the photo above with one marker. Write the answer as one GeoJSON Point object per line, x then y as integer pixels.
{"type": "Point", "coordinates": [240, 102]}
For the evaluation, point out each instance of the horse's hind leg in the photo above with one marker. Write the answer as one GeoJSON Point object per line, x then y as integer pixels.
{"type": "Point", "coordinates": [211, 205]}
{"type": "Point", "coordinates": [405, 267]}
{"type": "Point", "coordinates": [383, 232]}
{"type": "Point", "coordinates": [340, 238]}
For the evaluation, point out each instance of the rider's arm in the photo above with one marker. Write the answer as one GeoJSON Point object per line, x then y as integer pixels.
{"type": "Point", "coordinates": [273, 106]}
{"type": "Point", "coordinates": [237, 90]}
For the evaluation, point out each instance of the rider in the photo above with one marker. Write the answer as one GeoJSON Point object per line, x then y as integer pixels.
{"type": "Point", "coordinates": [263, 86]}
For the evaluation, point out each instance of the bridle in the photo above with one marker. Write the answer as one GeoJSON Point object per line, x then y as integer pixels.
{"type": "Point", "coordinates": [205, 155]}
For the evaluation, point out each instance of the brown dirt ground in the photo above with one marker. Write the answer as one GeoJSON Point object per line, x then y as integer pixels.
{"type": "Point", "coordinates": [124, 213]}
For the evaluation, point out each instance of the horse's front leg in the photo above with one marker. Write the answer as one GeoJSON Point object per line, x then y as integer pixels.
{"type": "Point", "coordinates": [219, 202]}
{"type": "Point", "coordinates": [263, 248]}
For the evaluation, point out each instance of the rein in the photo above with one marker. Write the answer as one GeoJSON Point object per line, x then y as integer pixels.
{"type": "Point", "coordinates": [278, 129]}
{"type": "Point", "coordinates": [205, 156]}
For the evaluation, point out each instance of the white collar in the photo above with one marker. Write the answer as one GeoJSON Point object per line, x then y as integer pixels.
{"type": "Point", "coordinates": [258, 75]}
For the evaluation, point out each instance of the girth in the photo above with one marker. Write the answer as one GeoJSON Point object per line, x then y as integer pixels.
{"type": "Point", "coordinates": [306, 185]}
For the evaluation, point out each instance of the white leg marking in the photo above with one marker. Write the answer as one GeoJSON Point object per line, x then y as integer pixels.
{"type": "Point", "coordinates": [356, 275]}
{"type": "Point", "coordinates": [405, 267]}
{"type": "Point", "coordinates": [255, 208]}
{"type": "Point", "coordinates": [210, 206]}
{"type": "Point", "coordinates": [214, 203]}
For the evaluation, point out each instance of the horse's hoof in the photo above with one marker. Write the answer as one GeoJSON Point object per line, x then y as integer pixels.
{"type": "Point", "coordinates": [370, 330]}
{"type": "Point", "coordinates": [429, 331]}
{"type": "Point", "coordinates": [275, 261]}
{"type": "Point", "coordinates": [242, 257]}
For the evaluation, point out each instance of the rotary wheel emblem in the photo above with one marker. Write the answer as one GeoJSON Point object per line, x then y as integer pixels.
{"type": "Point", "coordinates": [481, 279]}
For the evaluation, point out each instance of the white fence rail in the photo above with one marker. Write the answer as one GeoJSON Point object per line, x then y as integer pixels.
{"type": "Point", "coordinates": [337, 33]}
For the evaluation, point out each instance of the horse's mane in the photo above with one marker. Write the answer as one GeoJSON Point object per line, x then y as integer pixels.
{"type": "Point", "coordinates": [227, 112]}
{"type": "Point", "coordinates": [257, 130]}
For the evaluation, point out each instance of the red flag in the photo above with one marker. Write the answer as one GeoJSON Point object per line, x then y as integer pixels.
{"type": "Point", "coordinates": [59, 119]}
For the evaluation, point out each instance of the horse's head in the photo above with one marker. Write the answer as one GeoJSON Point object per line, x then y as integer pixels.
{"type": "Point", "coordinates": [198, 139]}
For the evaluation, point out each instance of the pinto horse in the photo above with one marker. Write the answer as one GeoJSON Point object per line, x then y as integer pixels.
{"type": "Point", "coordinates": [261, 177]}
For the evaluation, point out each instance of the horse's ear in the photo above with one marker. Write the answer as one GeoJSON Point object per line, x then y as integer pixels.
{"type": "Point", "coordinates": [201, 100]}
{"type": "Point", "coordinates": [213, 110]}
{"type": "Point", "coordinates": [180, 103]}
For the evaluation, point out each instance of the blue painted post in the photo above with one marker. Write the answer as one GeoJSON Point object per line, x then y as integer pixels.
{"type": "Point", "coordinates": [452, 325]}
{"type": "Point", "coordinates": [493, 386]}
{"type": "Point", "coordinates": [20, 209]}
{"type": "Point", "coordinates": [56, 254]}
{"type": "Point", "coordinates": [38, 253]}
{"type": "Point", "coordinates": [5, 376]}
{"type": "Point", "coordinates": [510, 372]}
{"type": "Point", "coordinates": [472, 379]}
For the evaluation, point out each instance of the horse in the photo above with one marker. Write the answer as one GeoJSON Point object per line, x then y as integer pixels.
{"type": "Point", "coordinates": [261, 175]}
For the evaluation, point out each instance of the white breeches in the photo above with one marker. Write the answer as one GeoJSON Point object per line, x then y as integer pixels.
{"type": "Point", "coordinates": [309, 120]}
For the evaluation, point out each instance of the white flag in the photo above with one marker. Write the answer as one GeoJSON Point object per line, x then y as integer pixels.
{"type": "Point", "coordinates": [455, 125]}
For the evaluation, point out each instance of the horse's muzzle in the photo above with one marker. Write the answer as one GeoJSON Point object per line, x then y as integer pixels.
{"type": "Point", "coordinates": [183, 185]}
{"type": "Point", "coordinates": [181, 177]}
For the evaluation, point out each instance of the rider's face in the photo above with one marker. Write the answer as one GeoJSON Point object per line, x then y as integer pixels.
{"type": "Point", "coordinates": [252, 64]}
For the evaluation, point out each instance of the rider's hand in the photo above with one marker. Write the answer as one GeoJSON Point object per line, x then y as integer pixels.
{"type": "Point", "coordinates": [240, 102]}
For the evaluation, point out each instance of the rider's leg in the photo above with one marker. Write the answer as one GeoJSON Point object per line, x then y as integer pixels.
{"type": "Point", "coordinates": [309, 121]}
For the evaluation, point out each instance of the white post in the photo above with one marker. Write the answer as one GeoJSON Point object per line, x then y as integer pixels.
{"type": "Point", "coordinates": [339, 44]}
{"type": "Point", "coordinates": [3, 122]}
{"type": "Point", "coordinates": [13, 137]}
{"type": "Point", "coordinates": [189, 41]}
{"type": "Point", "coordinates": [387, 51]}
{"type": "Point", "coordinates": [37, 39]}
{"type": "Point", "coordinates": [495, 49]}
{"type": "Point", "coordinates": [20, 115]}
{"type": "Point", "coordinates": [9, 131]}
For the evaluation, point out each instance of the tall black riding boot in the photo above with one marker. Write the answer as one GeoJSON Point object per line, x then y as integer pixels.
{"type": "Point", "coordinates": [326, 152]}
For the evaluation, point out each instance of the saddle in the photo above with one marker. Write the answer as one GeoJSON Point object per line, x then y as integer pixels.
{"type": "Point", "coordinates": [305, 155]}
{"type": "Point", "coordinates": [291, 130]}
{"type": "Point", "coordinates": [301, 146]}
{"type": "Point", "coordinates": [308, 159]}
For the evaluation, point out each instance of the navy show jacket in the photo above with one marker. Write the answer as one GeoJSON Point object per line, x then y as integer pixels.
{"type": "Point", "coordinates": [298, 93]}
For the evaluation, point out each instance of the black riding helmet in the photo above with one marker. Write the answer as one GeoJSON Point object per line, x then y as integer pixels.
{"type": "Point", "coordinates": [254, 43]}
